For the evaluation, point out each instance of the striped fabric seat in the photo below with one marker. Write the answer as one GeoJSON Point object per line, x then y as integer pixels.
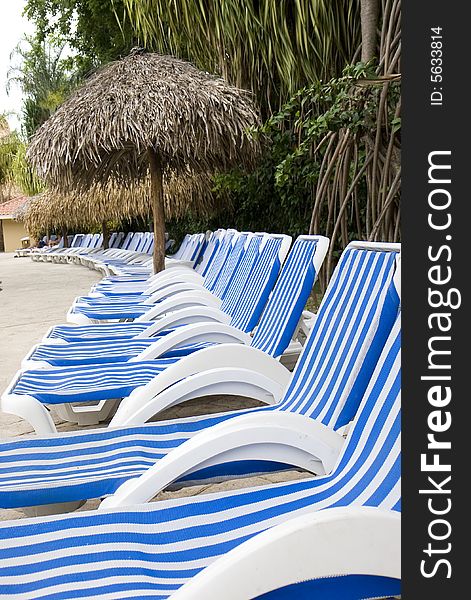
{"type": "Point", "coordinates": [229, 251]}
{"type": "Point", "coordinates": [328, 383]}
{"type": "Point", "coordinates": [361, 282]}
{"type": "Point", "coordinates": [130, 310]}
{"type": "Point", "coordinates": [89, 382]}
{"type": "Point", "coordinates": [74, 333]}
{"type": "Point", "coordinates": [110, 312]}
{"type": "Point", "coordinates": [264, 266]}
{"type": "Point", "coordinates": [91, 352]}
{"type": "Point", "coordinates": [149, 551]}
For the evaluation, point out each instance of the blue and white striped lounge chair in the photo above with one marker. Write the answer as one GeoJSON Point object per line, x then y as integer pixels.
{"type": "Point", "coordinates": [141, 283]}
{"type": "Point", "coordinates": [136, 265]}
{"type": "Point", "coordinates": [218, 269]}
{"type": "Point", "coordinates": [226, 285]}
{"type": "Point", "coordinates": [326, 385]}
{"type": "Point", "coordinates": [94, 256]}
{"type": "Point", "coordinates": [139, 252]}
{"type": "Point", "coordinates": [206, 272]}
{"type": "Point", "coordinates": [263, 270]}
{"type": "Point", "coordinates": [287, 301]}
{"type": "Point", "coordinates": [144, 289]}
{"type": "Point", "coordinates": [335, 536]}
{"type": "Point", "coordinates": [218, 272]}
{"type": "Point", "coordinates": [114, 280]}
{"type": "Point", "coordinates": [61, 256]}
{"type": "Point", "coordinates": [227, 277]}
{"type": "Point", "coordinates": [179, 271]}
{"type": "Point", "coordinates": [122, 242]}
{"type": "Point", "coordinates": [40, 254]}
{"type": "Point", "coordinates": [68, 254]}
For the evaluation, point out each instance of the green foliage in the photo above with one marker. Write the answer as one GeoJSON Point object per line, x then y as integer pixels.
{"type": "Point", "coordinates": [44, 78]}
{"type": "Point", "coordinates": [14, 168]}
{"type": "Point", "coordinates": [271, 47]}
{"type": "Point", "coordinates": [279, 194]}
{"type": "Point", "coordinates": [97, 30]}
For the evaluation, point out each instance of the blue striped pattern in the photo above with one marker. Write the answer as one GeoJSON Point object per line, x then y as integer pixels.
{"type": "Point", "coordinates": [249, 298]}
{"type": "Point", "coordinates": [149, 551]}
{"type": "Point", "coordinates": [255, 292]}
{"type": "Point", "coordinates": [208, 253]}
{"type": "Point", "coordinates": [276, 327]}
{"type": "Point", "coordinates": [91, 352]}
{"type": "Point", "coordinates": [110, 311]}
{"type": "Point", "coordinates": [278, 320]}
{"type": "Point", "coordinates": [72, 333]}
{"type": "Point", "coordinates": [348, 319]}
{"type": "Point", "coordinates": [131, 298]}
{"type": "Point", "coordinates": [116, 455]}
{"type": "Point", "coordinates": [354, 318]}
{"type": "Point", "coordinates": [288, 299]}
{"type": "Point", "coordinates": [89, 382]}
{"type": "Point", "coordinates": [127, 309]}
{"type": "Point", "coordinates": [218, 262]}
{"type": "Point", "coordinates": [229, 267]}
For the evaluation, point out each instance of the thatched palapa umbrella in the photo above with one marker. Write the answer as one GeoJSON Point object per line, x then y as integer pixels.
{"type": "Point", "coordinates": [56, 210]}
{"type": "Point", "coordinates": [145, 113]}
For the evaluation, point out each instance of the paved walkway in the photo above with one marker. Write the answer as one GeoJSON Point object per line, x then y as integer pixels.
{"type": "Point", "coordinates": [36, 296]}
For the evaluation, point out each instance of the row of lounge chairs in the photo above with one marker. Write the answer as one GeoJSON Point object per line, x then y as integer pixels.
{"type": "Point", "coordinates": [87, 249]}
{"type": "Point", "coordinates": [226, 318]}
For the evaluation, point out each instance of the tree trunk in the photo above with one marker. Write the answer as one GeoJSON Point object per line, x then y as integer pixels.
{"type": "Point", "coordinates": [369, 11]}
{"type": "Point", "coordinates": [158, 209]}
{"type": "Point", "coordinates": [106, 235]}
{"type": "Point", "coordinates": [65, 238]}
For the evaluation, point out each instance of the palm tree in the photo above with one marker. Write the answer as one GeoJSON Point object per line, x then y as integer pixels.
{"type": "Point", "coordinates": [44, 79]}
{"type": "Point", "coordinates": [271, 47]}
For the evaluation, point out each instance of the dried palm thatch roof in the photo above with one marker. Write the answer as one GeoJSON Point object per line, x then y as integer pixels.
{"type": "Point", "coordinates": [55, 210]}
{"type": "Point", "coordinates": [145, 114]}
{"type": "Point", "coordinates": [189, 117]}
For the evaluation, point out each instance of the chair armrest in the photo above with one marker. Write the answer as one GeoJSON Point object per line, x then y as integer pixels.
{"type": "Point", "coordinates": [330, 543]}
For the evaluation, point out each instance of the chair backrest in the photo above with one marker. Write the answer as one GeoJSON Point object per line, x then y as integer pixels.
{"type": "Point", "coordinates": [219, 259]}
{"type": "Point", "coordinates": [238, 277]}
{"type": "Point", "coordinates": [116, 243]}
{"type": "Point", "coordinates": [86, 240]}
{"type": "Point", "coordinates": [150, 245]}
{"type": "Point", "coordinates": [182, 248]}
{"type": "Point", "coordinates": [112, 240]}
{"type": "Point", "coordinates": [76, 240]}
{"type": "Point", "coordinates": [369, 466]}
{"type": "Point", "coordinates": [245, 303]}
{"type": "Point", "coordinates": [146, 241]}
{"type": "Point", "coordinates": [127, 241]}
{"type": "Point", "coordinates": [135, 241]}
{"type": "Point", "coordinates": [239, 244]}
{"type": "Point", "coordinates": [209, 252]}
{"type": "Point", "coordinates": [283, 310]}
{"type": "Point", "coordinates": [192, 247]}
{"type": "Point", "coordinates": [354, 320]}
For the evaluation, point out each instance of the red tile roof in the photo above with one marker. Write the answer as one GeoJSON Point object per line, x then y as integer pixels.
{"type": "Point", "coordinates": [8, 208]}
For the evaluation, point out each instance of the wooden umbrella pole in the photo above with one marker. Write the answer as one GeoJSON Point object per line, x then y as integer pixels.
{"type": "Point", "coordinates": [106, 235]}
{"type": "Point", "coordinates": [158, 210]}
{"type": "Point", "coordinates": [65, 238]}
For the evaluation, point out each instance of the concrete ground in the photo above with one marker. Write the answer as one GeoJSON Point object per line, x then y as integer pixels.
{"type": "Point", "coordinates": [36, 296]}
